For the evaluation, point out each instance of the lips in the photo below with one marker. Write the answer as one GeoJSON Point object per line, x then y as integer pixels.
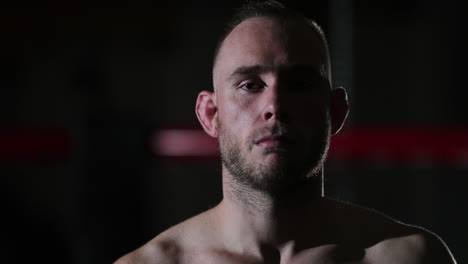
{"type": "Point", "coordinates": [272, 141]}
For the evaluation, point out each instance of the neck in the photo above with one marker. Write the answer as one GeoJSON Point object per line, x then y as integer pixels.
{"type": "Point", "coordinates": [252, 218]}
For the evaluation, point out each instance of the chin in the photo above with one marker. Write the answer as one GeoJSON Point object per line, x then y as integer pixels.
{"type": "Point", "coordinates": [282, 178]}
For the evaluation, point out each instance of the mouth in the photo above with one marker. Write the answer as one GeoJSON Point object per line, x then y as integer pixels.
{"type": "Point", "coordinates": [273, 141]}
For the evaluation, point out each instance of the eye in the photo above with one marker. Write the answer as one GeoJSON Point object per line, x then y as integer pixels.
{"type": "Point", "coordinates": [251, 86]}
{"type": "Point", "coordinates": [302, 85]}
{"type": "Point", "coordinates": [308, 83]}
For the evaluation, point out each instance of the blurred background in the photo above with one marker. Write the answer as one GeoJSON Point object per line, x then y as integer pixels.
{"type": "Point", "coordinates": [87, 91]}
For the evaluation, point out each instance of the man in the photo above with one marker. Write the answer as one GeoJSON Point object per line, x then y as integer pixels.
{"type": "Point", "coordinates": [273, 111]}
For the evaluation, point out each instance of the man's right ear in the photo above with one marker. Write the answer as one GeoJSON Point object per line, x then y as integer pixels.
{"type": "Point", "coordinates": [207, 111]}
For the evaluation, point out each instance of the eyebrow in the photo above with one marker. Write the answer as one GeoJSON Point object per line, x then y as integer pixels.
{"type": "Point", "coordinates": [250, 70]}
{"type": "Point", "coordinates": [259, 69]}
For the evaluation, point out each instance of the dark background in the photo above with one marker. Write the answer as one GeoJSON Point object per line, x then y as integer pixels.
{"type": "Point", "coordinates": [106, 77]}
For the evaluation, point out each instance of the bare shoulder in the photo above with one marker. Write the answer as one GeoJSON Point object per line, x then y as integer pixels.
{"type": "Point", "coordinates": [417, 245]}
{"type": "Point", "coordinates": [172, 245]}
{"type": "Point", "coordinates": [156, 251]}
{"type": "Point", "coordinates": [388, 239]}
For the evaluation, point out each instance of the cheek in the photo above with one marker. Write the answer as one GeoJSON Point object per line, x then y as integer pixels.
{"type": "Point", "coordinates": [308, 115]}
{"type": "Point", "coordinates": [237, 117]}
{"type": "Point", "coordinates": [309, 107]}
{"type": "Point", "coordinates": [239, 110]}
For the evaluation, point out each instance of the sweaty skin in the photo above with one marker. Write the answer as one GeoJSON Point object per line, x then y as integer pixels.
{"type": "Point", "coordinates": [258, 79]}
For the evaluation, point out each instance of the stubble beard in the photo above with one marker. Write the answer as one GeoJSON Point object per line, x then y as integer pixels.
{"type": "Point", "coordinates": [283, 175]}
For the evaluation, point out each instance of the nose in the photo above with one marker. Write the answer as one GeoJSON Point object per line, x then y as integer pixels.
{"type": "Point", "coordinates": [273, 105]}
{"type": "Point", "coordinates": [268, 115]}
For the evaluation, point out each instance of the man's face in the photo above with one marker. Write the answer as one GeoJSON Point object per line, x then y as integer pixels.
{"type": "Point", "coordinates": [272, 98]}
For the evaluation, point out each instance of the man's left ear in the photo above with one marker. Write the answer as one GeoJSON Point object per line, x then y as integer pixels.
{"type": "Point", "coordinates": [339, 109]}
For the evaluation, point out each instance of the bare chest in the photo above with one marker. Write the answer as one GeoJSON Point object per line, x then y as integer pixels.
{"type": "Point", "coordinates": [320, 255]}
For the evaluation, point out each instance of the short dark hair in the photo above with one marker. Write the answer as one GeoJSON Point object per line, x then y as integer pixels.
{"type": "Point", "coordinates": [273, 9]}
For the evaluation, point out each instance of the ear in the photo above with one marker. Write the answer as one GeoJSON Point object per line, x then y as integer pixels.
{"type": "Point", "coordinates": [339, 109]}
{"type": "Point", "coordinates": [207, 111]}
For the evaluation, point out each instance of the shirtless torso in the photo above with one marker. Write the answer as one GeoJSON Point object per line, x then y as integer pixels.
{"type": "Point", "coordinates": [365, 237]}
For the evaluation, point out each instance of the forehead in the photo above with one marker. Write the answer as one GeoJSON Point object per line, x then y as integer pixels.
{"type": "Point", "coordinates": [269, 42]}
